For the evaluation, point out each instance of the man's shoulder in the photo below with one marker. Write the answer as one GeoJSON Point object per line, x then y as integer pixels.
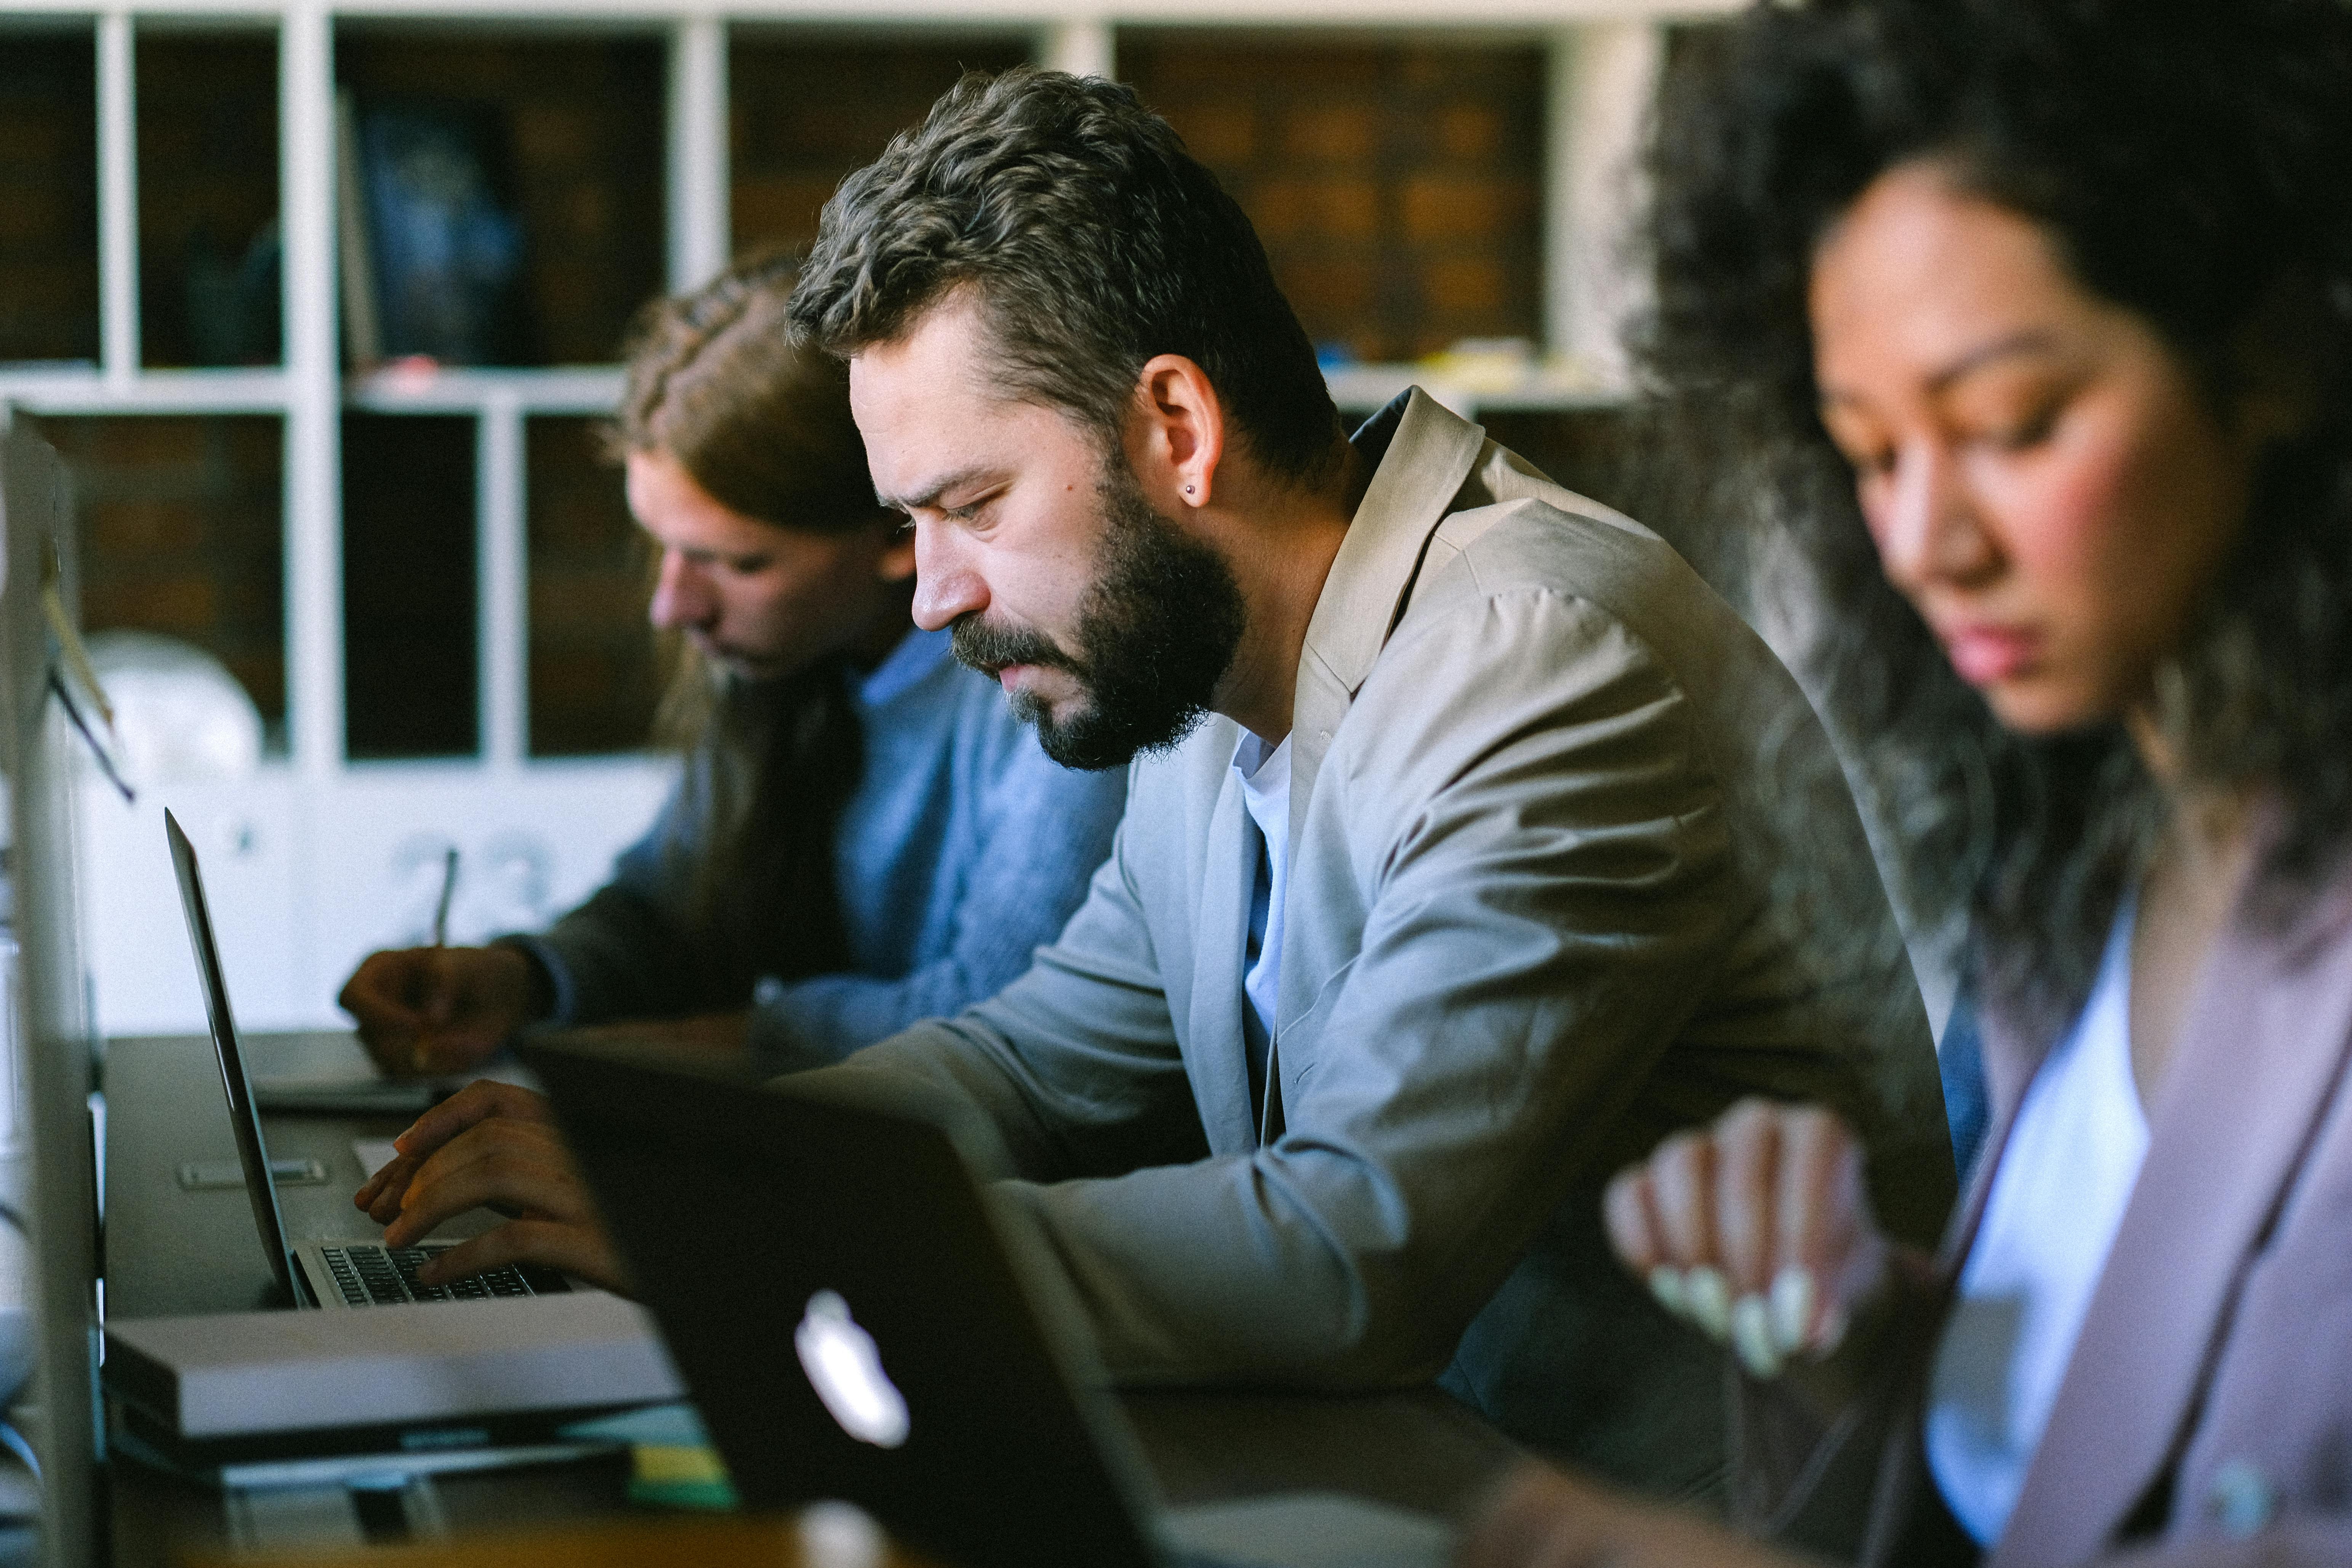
{"type": "Point", "coordinates": [1521, 535]}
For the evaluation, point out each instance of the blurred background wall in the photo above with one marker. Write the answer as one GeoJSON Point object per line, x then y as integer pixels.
{"type": "Point", "coordinates": [400, 540]}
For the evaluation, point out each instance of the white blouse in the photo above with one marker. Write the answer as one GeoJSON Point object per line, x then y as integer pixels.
{"type": "Point", "coordinates": [2057, 1197]}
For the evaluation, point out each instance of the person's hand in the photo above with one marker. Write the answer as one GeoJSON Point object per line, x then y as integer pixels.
{"type": "Point", "coordinates": [1541, 1518]}
{"type": "Point", "coordinates": [492, 1144]}
{"type": "Point", "coordinates": [437, 1009]}
{"type": "Point", "coordinates": [1758, 1229]}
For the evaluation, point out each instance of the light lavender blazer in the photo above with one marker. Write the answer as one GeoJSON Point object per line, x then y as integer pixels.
{"type": "Point", "coordinates": [2206, 1415]}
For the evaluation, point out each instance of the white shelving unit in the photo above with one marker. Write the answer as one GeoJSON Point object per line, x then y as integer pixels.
{"type": "Point", "coordinates": [320, 858]}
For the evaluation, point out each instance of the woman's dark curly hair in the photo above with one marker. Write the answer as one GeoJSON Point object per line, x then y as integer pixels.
{"type": "Point", "coordinates": [2190, 161]}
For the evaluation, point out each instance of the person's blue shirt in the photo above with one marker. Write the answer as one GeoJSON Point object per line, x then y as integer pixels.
{"type": "Point", "coordinates": [961, 849]}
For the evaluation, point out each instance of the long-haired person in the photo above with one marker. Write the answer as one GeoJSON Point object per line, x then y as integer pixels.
{"type": "Point", "coordinates": [2031, 320]}
{"type": "Point", "coordinates": [864, 835]}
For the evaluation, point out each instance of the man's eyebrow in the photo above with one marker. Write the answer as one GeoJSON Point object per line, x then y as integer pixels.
{"type": "Point", "coordinates": [938, 488]}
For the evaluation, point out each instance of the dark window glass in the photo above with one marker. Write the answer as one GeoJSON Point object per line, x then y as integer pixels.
{"type": "Point", "coordinates": [48, 194]}
{"type": "Point", "coordinates": [1398, 187]}
{"type": "Point", "coordinates": [539, 158]}
{"type": "Point", "coordinates": [593, 675]}
{"type": "Point", "coordinates": [410, 687]}
{"type": "Point", "coordinates": [807, 111]}
{"type": "Point", "coordinates": [209, 250]}
{"type": "Point", "coordinates": [181, 523]}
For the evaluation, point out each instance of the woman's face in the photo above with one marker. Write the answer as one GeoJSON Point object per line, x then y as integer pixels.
{"type": "Point", "coordinates": [760, 600]}
{"type": "Point", "coordinates": [2038, 471]}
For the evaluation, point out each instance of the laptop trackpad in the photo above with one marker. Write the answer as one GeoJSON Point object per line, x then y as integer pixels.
{"type": "Point", "coordinates": [1307, 1529]}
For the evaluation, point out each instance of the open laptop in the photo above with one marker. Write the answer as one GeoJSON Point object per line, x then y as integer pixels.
{"type": "Point", "coordinates": [854, 1324]}
{"type": "Point", "coordinates": [334, 1274]}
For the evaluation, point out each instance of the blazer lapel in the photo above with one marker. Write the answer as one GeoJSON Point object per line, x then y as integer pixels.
{"type": "Point", "coordinates": [1220, 952]}
{"type": "Point", "coordinates": [1428, 461]}
{"type": "Point", "coordinates": [2260, 1049]}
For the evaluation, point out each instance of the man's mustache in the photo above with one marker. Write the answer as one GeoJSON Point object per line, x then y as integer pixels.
{"type": "Point", "coordinates": [989, 649]}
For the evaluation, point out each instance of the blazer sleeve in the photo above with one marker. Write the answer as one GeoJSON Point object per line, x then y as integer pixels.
{"type": "Point", "coordinates": [1541, 843]}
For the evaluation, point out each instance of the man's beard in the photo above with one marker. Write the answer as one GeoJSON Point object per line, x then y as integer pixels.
{"type": "Point", "coordinates": [1156, 633]}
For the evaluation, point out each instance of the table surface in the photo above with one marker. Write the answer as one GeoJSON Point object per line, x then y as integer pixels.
{"type": "Point", "coordinates": [171, 1251]}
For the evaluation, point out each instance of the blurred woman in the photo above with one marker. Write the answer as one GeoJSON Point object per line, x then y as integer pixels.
{"type": "Point", "coordinates": [864, 835]}
{"type": "Point", "coordinates": [2030, 317]}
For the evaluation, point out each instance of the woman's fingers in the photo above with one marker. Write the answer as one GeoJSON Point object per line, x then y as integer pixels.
{"type": "Point", "coordinates": [1757, 1229]}
{"type": "Point", "coordinates": [1826, 1230]}
{"type": "Point", "coordinates": [1747, 1172]}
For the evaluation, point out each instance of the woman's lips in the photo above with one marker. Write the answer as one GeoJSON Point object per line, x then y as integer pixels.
{"type": "Point", "coordinates": [1983, 654]}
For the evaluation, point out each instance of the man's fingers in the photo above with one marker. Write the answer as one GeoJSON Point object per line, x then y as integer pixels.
{"type": "Point", "coordinates": [515, 1172]}
{"type": "Point", "coordinates": [380, 1194]}
{"type": "Point", "coordinates": [576, 1248]}
{"type": "Point", "coordinates": [470, 1106]}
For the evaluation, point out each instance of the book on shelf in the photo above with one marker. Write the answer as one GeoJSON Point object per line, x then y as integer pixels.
{"type": "Point", "coordinates": [431, 233]}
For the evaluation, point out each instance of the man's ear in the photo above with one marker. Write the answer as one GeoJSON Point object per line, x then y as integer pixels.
{"type": "Point", "coordinates": [1179, 442]}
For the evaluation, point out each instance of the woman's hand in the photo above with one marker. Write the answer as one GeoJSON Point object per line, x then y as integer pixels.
{"type": "Point", "coordinates": [1758, 1229]}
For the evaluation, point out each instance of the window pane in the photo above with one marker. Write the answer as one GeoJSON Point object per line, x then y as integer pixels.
{"type": "Point", "coordinates": [180, 528]}
{"type": "Point", "coordinates": [409, 662]}
{"type": "Point", "coordinates": [563, 141]}
{"type": "Point", "coordinates": [1397, 186]}
{"type": "Point", "coordinates": [593, 675]}
{"type": "Point", "coordinates": [208, 243]}
{"type": "Point", "coordinates": [806, 111]}
{"type": "Point", "coordinates": [48, 194]}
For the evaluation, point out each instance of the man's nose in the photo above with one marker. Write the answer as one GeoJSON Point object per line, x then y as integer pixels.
{"type": "Point", "coordinates": [682, 597]}
{"type": "Point", "coordinates": [948, 586]}
{"type": "Point", "coordinates": [1929, 530]}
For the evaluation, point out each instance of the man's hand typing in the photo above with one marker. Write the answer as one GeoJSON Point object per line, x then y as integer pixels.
{"type": "Point", "coordinates": [495, 1145]}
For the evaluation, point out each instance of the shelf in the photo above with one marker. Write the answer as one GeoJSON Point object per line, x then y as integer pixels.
{"type": "Point", "coordinates": [596, 389]}
{"type": "Point", "coordinates": [563, 389]}
{"type": "Point", "coordinates": [78, 389]}
{"type": "Point", "coordinates": [1534, 391]}
{"type": "Point", "coordinates": [1419, 16]}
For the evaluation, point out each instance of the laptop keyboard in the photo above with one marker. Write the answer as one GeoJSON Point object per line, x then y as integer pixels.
{"type": "Point", "coordinates": [386, 1275]}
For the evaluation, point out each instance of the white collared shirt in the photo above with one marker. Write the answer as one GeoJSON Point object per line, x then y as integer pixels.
{"type": "Point", "coordinates": [1264, 778]}
{"type": "Point", "coordinates": [2066, 1175]}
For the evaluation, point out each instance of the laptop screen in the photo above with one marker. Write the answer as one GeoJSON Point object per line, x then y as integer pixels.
{"type": "Point", "coordinates": [244, 1118]}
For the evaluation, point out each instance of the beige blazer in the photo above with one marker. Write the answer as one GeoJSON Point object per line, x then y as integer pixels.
{"type": "Point", "coordinates": [1529, 929]}
{"type": "Point", "coordinates": [2206, 1414]}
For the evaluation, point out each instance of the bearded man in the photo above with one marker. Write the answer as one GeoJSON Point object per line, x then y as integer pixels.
{"type": "Point", "coordinates": [1446, 885]}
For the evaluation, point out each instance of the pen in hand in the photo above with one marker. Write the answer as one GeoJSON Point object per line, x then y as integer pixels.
{"type": "Point", "coordinates": [448, 886]}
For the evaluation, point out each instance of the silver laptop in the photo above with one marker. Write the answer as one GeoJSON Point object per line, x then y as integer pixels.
{"type": "Point", "coordinates": [333, 1273]}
